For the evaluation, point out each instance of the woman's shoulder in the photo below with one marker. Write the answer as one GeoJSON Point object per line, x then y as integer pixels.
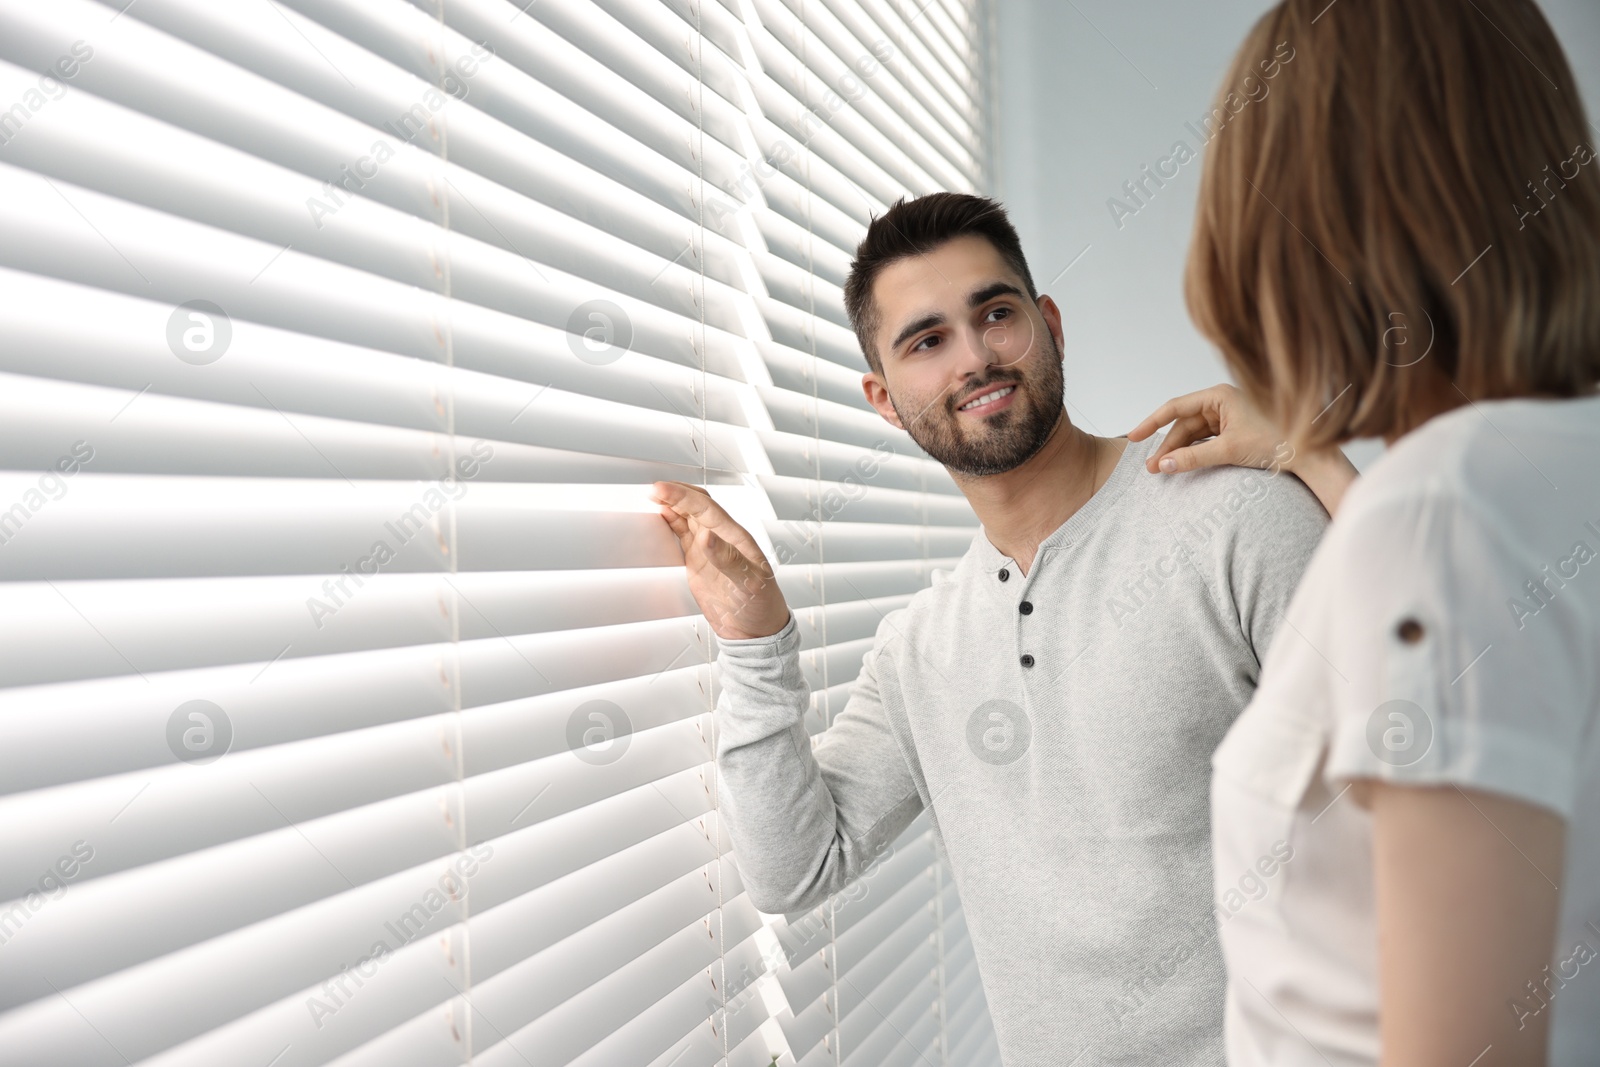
{"type": "Point", "coordinates": [1487, 456]}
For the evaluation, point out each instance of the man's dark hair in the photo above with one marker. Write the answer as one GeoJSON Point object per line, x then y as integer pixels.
{"type": "Point", "coordinates": [914, 228]}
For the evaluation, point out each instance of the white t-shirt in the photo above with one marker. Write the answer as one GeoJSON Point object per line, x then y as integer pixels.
{"type": "Point", "coordinates": [1447, 630]}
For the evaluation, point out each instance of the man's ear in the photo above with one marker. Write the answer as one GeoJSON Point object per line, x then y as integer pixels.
{"type": "Point", "coordinates": [878, 396]}
{"type": "Point", "coordinates": [1052, 321]}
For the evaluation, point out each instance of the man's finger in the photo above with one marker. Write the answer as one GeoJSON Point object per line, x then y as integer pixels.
{"type": "Point", "coordinates": [696, 505]}
{"type": "Point", "coordinates": [679, 526]}
{"type": "Point", "coordinates": [692, 502]}
{"type": "Point", "coordinates": [673, 493]}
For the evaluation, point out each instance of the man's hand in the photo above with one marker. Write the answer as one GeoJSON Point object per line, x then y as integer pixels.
{"type": "Point", "coordinates": [729, 576]}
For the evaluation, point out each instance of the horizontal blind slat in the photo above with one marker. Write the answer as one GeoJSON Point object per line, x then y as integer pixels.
{"type": "Point", "coordinates": [437, 703]}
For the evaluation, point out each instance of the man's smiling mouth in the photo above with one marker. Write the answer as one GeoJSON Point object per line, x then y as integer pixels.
{"type": "Point", "coordinates": [987, 397]}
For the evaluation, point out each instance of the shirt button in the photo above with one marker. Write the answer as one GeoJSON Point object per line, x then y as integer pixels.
{"type": "Point", "coordinates": [1004, 574]}
{"type": "Point", "coordinates": [1410, 631]}
{"type": "Point", "coordinates": [1026, 607]}
{"type": "Point", "coordinates": [1027, 659]}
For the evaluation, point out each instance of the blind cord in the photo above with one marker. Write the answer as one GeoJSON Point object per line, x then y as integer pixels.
{"type": "Point", "coordinates": [705, 480]}
{"type": "Point", "coordinates": [452, 553]}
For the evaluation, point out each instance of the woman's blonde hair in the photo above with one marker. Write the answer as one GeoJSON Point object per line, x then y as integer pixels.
{"type": "Point", "coordinates": [1418, 186]}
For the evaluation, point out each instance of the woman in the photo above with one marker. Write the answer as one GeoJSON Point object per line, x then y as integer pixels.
{"type": "Point", "coordinates": [1403, 241]}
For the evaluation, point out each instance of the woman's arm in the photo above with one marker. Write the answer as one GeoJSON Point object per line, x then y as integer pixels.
{"type": "Point", "coordinates": [1467, 896]}
{"type": "Point", "coordinates": [1327, 474]}
{"type": "Point", "coordinates": [1216, 426]}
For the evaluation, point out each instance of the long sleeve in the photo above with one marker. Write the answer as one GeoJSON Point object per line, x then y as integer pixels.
{"type": "Point", "coordinates": [804, 822]}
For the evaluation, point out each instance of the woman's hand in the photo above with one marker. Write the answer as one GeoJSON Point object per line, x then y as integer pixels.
{"type": "Point", "coordinates": [1216, 427]}
{"type": "Point", "coordinates": [1211, 428]}
{"type": "Point", "coordinates": [728, 574]}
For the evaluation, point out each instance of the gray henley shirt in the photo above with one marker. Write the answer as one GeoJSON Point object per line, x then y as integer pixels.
{"type": "Point", "coordinates": [1058, 727]}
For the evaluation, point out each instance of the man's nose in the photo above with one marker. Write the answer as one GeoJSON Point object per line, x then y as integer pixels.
{"type": "Point", "coordinates": [1010, 341]}
{"type": "Point", "coordinates": [978, 352]}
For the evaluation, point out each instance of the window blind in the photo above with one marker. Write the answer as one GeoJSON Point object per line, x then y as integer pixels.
{"type": "Point", "coordinates": [356, 708]}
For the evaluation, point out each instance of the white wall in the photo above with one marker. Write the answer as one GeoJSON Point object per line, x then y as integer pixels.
{"type": "Point", "coordinates": [1090, 91]}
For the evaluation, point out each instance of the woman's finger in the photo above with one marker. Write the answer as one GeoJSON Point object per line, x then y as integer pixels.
{"type": "Point", "coordinates": [1186, 430]}
{"type": "Point", "coordinates": [1178, 407]}
{"type": "Point", "coordinates": [1209, 453]}
{"type": "Point", "coordinates": [1157, 419]}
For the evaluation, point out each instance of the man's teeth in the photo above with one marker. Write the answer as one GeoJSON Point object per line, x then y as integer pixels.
{"type": "Point", "coordinates": [986, 397]}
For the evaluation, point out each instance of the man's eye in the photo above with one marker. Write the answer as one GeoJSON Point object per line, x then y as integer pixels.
{"type": "Point", "coordinates": [934, 338]}
{"type": "Point", "coordinates": [1004, 312]}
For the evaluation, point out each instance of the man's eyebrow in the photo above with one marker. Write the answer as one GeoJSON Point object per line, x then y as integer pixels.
{"type": "Point", "coordinates": [977, 298]}
{"type": "Point", "coordinates": [927, 322]}
{"type": "Point", "coordinates": [989, 292]}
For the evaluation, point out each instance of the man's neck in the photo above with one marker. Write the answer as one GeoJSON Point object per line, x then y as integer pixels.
{"type": "Point", "coordinates": [1022, 507]}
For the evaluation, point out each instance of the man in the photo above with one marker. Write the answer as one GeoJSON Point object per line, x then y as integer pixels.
{"type": "Point", "coordinates": [1054, 702]}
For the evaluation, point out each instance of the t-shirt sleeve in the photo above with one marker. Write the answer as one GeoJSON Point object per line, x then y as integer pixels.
{"type": "Point", "coordinates": [1457, 660]}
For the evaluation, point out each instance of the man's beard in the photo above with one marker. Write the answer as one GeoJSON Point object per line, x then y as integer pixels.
{"type": "Point", "coordinates": [1010, 438]}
